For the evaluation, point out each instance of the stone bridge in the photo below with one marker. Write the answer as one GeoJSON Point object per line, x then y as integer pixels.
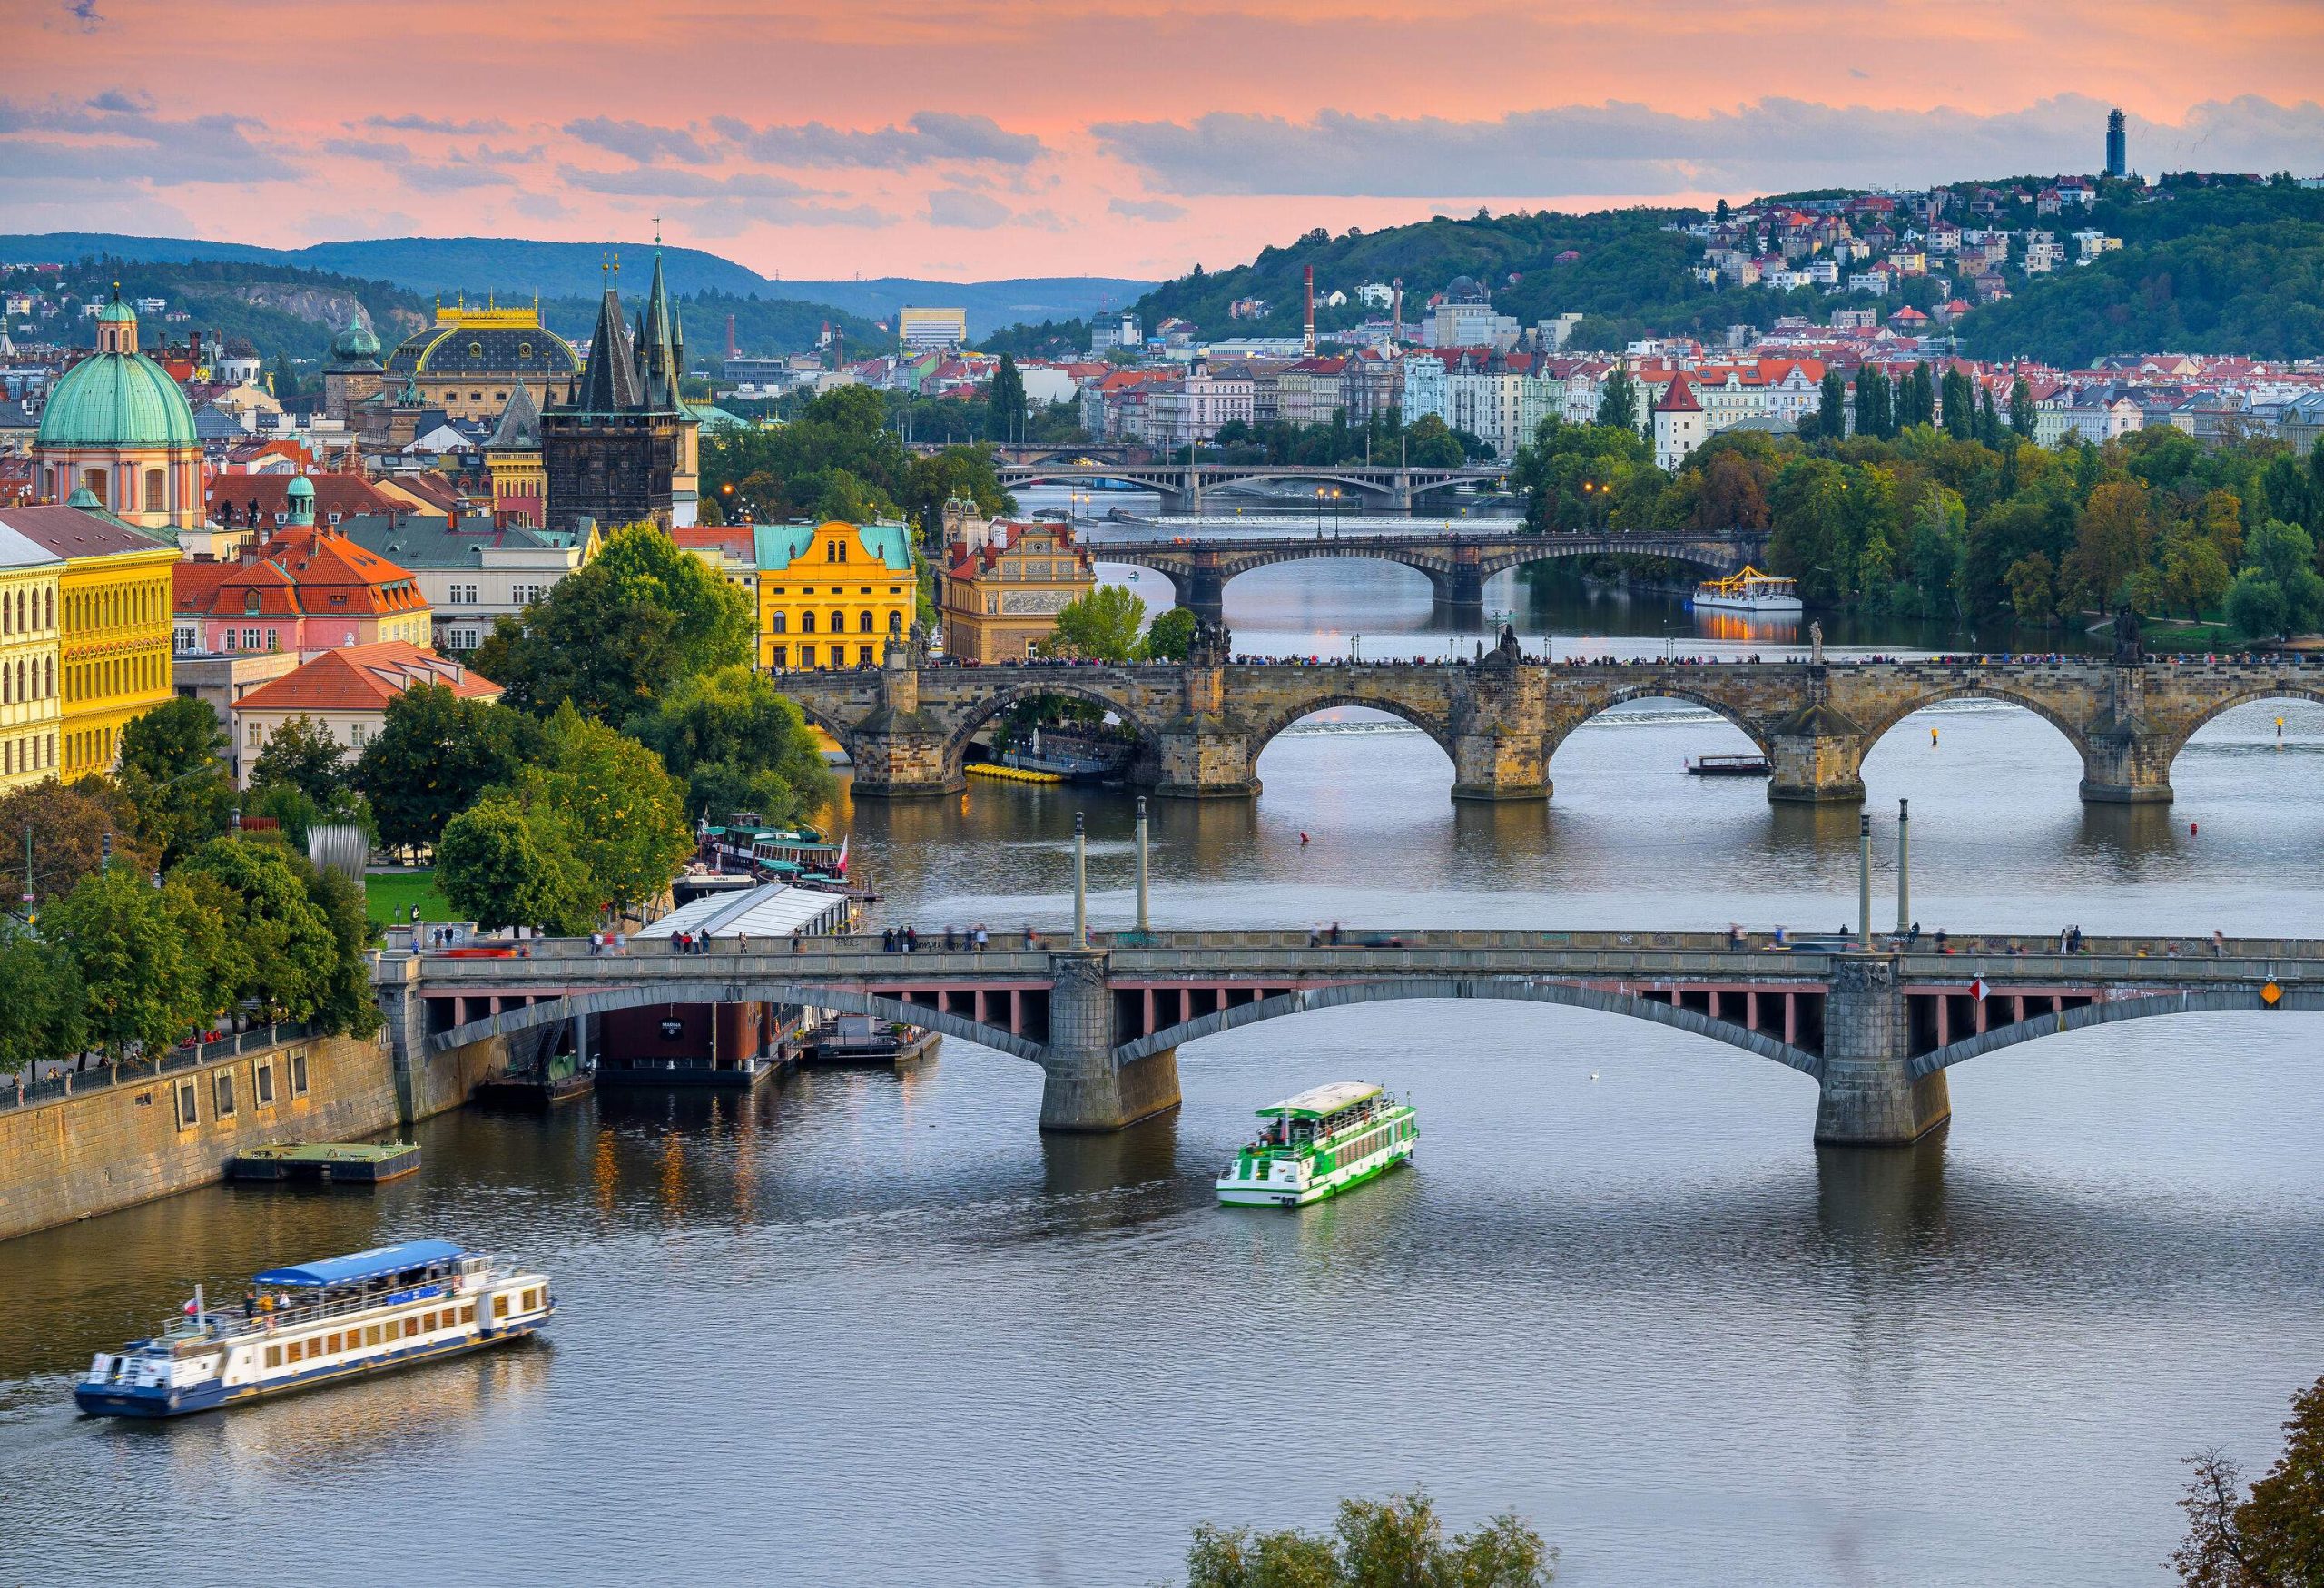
{"type": "Point", "coordinates": [1456, 566]}
{"type": "Point", "coordinates": [1385, 487]}
{"type": "Point", "coordinates": [1201, 726]}
{"type": "Point", "coordinates": [1876, 1030]}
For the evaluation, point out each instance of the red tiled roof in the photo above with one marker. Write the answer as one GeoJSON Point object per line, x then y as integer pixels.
{"type": "Point", "coordinates": [297, 571]}
{"type": "Point", "coordinates": [344, 494]}
{"type": "Point", "coordinates": [1680, 397]}
{"type": "Point", "coordinates": [359, 678]}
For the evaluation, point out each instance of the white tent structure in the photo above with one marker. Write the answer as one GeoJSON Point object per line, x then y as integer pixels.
{"type": "Point", "coordinates": [774, 910]}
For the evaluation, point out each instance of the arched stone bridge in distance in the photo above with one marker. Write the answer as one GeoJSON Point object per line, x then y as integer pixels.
{"type": "Point", "coordinates": [1876, 1030]}
{"type": "Point", "coordinates": [1201, 726]}
{"type": "Point", "coordinates": [1381, 488]}
{"type": "Point", "coordinates": [1456, 564]}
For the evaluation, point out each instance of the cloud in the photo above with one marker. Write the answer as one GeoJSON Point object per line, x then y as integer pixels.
{"type": "Point", "coordinates": [951, 206]}
{"type": "Point", "coordinates": [373, 149]}
{"type": "Point", "coordinates": [641, 143]}
{"type": "Point", "coordinates": [418, 124]}
{"type": "Point", "coordinates": [455, 176]}
{"type": "Point", "coordinates": [121, 102]}
{"type": "Point", "coordinates": [114, 137]}
{"type": "Point", "coordinates": [540, 206]}
{"type": "Point", "coordinates": [1625, 149]}
{"type": "Point", "coordinates": [929, 137]}
{"type": "Point", "coordinates": [1147, 208]}
{"type": "Point", "coordinates": [653, 182]}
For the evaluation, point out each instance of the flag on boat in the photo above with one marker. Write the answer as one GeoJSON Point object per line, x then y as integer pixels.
{"type": "Point", "coordinates": [841, 865]}
{"type": "Point", "coordinates": [191, 1308]}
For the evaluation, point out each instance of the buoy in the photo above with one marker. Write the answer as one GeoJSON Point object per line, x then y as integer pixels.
{"type": "Point", "coordinates": [2193, 828]}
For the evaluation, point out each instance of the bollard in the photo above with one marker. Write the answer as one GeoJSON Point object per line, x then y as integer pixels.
{"type": "Point", "coordinates": [1080, 885]}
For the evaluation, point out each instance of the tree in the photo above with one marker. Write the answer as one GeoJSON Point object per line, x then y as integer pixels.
{"type": "Point", "coordinates": [2279, 592]}
{"type": "Point", "coordinates": [2021, 409]}
{"type": "Point", "coordinates": [1430, 443]}
{"type": "Point", "coordinates": [180, 736]}
{"type": "Point", "coordinates": [1960, 398]}
{"type": "Point", "coordinates": [43, 1017]}
{"type": "Point", "coordinates": [435, 754]}
{"type": "Point", "coordinates": [172, 773]}
{"type": "Point", "coordinates": [2110, 544]}
{"type": "Point", "coordinates": [613, 637]}
{"type": "Point", "coordinates": [1101, 627]}
{"type": "Point", "coordinates": [1005, 401]}
{"type": "Point", "coordinates": [740, 745]}
{"type": "Point", "coordinates": [304, 755]}
{"type": "Point", "coordinates": [1618, 401]}
{"type": "Point", "coordinates": [1831, 418]}
{"type": "Point", "coordinates": [1876, 408]}
{"type": "Point", "coordinates": [143, 955]}
{"type": "Point", "coordinates": [68, 822]}
{"type": "Point", "coordinates": [2272, 1538]}
{"type": "Point", "coordinates": [500, 865]}
{"type": "Point", "coordinates": [1170, 637]}
{"type": "Point", "coordinates": [1398, 1543]}
{"type": "Point", "coordinates": [617, 808]}
{"type": "Point", "coordinates": [280, 956]}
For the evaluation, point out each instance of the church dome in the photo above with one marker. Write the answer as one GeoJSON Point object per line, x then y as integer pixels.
{"type": "Point", "coordinates": [355, 343]}
{"type": "Point", "coordinates": [120, 399]}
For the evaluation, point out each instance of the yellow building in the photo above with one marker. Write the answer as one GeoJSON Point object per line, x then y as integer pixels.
{"type": "Point", "coordinates": [114, 600]}
{"type": "Point", "coordinates": [28, 660]}
{"type": "Point", "coordinates": [834, 595]}
{"type": "Point", "coordinates": [1004, 586]}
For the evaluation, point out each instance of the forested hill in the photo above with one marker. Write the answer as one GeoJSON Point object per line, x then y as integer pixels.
{"type": "Point", "coordinates": [2220, 269]}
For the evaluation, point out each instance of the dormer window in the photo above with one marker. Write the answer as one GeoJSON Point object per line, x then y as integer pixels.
{"type": "Point", "coordinates": [249, 600]}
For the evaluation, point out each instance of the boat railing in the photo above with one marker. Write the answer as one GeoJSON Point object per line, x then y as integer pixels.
{"type": "Point", "coordinates": [241, 1318]}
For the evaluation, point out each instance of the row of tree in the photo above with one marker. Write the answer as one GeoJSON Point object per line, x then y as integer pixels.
{"type": "Point", "coordinates": [1968, 521]}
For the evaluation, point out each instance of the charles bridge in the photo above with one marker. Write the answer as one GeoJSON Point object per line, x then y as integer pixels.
{"type": "Point", "coordinates": [1876, 1029]}
{"type": "Point", "coordinates": [1201, 726]}
{"type": "Point", "coordinates": [1456, 564]}
{"type": "Point", "coordinates": [1383, 487]}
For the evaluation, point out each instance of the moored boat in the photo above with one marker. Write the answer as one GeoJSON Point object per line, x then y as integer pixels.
{"type": "Point", "coordinates": [1328, 1139]}
{"type": "Point", "coordinates": [1750, 590]}
{"type": "Point", "coordinates": [320, 1323]}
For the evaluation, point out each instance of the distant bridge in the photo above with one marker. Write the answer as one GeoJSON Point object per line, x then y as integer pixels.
{"type": "Point", "coordinates": [1456, 564]}
{"type": "Point", "coordinates": [1181, 486]}
{"type": "Point", "coordinates": [1876, 1030]}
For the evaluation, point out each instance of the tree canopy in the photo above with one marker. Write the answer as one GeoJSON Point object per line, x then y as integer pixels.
{"type": "Point", "coordinates": [740, 745]}
{"type": "Point", "coordinates": [436, 753]}
{"type": "Point", "coordinates": [1397, 1543]}
{"type": "Point", "coordinates": [2272, 1537]}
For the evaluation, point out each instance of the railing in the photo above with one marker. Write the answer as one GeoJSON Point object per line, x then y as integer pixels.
{"type": "Point", "coordinates": [141, 1070]}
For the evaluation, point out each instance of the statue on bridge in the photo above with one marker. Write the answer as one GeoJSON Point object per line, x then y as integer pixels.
{"type": "Point", "coordinates": [1212, 644]}
{"type": "Point", "coordinates": [1815, 644]}
{"type": "Point", "coordinates": [2128, 650]}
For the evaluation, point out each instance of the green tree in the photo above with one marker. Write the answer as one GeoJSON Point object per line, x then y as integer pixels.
{"type": "Point", "coordinates": [2272, 1538]}
{"type": "Point", "coordinates": [302, 755]}
{"type": "Point", "coordinates": [1398, 1543]}
{"type": "Point", "coordinates": [44, 1016]}
{"type": "Point", "coordinates": [179, 736]}
{"type": "Point", "coordinates": [2021, 409]}
{"type": "Point", "coordinates": [171, 772]}
{"type": "Point", "coordinates": [347, 1005]}
{"type": "Point", "coordinates": [1101, 627]}
{"type": "Point", "coordinates": [2110, 544]}
{"type": "Point", "coordinates": [619, 811]}
{"type": "Point", "coordinates": [68, 823]}
{"type": "Point", "coordinates": [502, 866]}
{"type": "Point", "coordinates": [1171, 635]}
{"type": "Point", "coordinates": [2279, 592]}
{"type": "Point", "coordinates": [1430, 443]}
{"type": "Point", "coordinates": [1005, 401]}
{"type": "Point", "coordinates": [143, 955]}
{"type": "Point", "coordinates": [740, 745]}
{"type": "Point", "coordinates": [282, 956]}
{"type": "Point", "coordinates": [1618, 402]}
{"type": "Point", "coordinates": [611, 638]}
{"type": "Point", "coordinates": [435, 754]}
{"type": "Point", "coordinates": [1875, 405]}
{"type": "Point", "coordinates": [1960, 399]}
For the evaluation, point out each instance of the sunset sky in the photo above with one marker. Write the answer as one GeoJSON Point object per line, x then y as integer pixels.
{"type": "Point", "coordinates": [969, 139]}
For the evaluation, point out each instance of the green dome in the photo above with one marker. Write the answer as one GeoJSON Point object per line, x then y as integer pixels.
{"type": "Point", "coordinates": [354, 343]}
{"type": "Point", "coordinates": [116, 399]}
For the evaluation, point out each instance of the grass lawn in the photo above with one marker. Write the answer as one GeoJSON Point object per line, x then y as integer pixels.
{"type": "Point", "coordinates": [392, 895]}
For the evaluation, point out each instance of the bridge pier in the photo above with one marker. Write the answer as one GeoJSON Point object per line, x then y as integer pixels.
{"type": "Point", "coordinates": [1205, 754]}
{"type": "Point", "coordinates": [2127, 765]}
{"type": "Point", "coordinates": [900, 750]}
{"type": "Point", "coordinates": [1083, 1088]}
{"type": "Point", "coordinates": [1500, 746]}
{"type": "Point", "coordinates": [1868, 1097]}
{"type": "Point", "coordinates": [1460, 593]}
{"type": "Point", "coordinates": [1202, 590]}
{"type": "Point", "coordinates": [1816, 755]}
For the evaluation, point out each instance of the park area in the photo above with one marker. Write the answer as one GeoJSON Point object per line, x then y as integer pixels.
{"type": "Point", "coordinates": [389, 896]}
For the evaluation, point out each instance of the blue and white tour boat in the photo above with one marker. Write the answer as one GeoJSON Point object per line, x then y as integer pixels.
{"type": "Point", "coordinates": [321, 1323]}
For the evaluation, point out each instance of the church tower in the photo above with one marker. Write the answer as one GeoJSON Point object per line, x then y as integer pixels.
{"type": "Point", "coordinates": [625, 449]}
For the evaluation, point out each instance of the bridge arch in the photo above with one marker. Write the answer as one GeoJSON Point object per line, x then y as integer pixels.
{"type": "Point", "coordinates": [956, 744]}
{"type": "Point", "coordinates": [844, 732]}
{"type": "Point", "coordinates": [1266, 732]}
{"type": "Point", "coordinates": [1509, 991]}
{"type": "Point", "coordinates": [2210, 710]}
{"type": "Point", "coordinates": [2149, 1006]}
{"type": "Point", "coordinates": [551, 1011]}
{"type": "Point", "coordinates": [2075, 732]}
{"type": "Point", "coordinates": [1661, 688]}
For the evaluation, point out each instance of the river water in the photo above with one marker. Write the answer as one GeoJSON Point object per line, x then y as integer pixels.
{"type": "Point", "coordinates": [871, 1329]}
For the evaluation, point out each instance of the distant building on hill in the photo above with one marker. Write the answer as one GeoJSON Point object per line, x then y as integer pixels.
{"type": "Point", "coordinates": [919, 330]}
{"type": "Point", "coordinates": [2118, 153]}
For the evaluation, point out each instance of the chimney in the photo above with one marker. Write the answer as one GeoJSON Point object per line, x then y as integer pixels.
{"type": "Point", "coordinates": [730, 336]}
{"type": "Point", "coordinates": [1396, 333]}
{"type": "Point", "coordinates": [1308, 341]}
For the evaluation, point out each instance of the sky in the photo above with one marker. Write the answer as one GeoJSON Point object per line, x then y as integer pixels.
{"type": "Point", "coordinates": [972, 139]}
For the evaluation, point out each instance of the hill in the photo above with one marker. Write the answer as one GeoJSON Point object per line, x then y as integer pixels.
{"type": "Point", "coordinates": [517, 267]}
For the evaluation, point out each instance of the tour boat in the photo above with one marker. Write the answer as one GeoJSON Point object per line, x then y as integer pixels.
{"type": "Point", "coordinates": [1321, 1143]}
{"type": "Point", "coordinates": [1749, 591]}
{"type": "Point", "coordinates": [320, 1323]}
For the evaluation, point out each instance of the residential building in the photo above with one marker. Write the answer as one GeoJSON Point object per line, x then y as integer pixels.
{"type": "Point", "coordinates": [471, 571]}
{"type": "Point", "coordinates": [834, 595]}
{"type": "Point", "coordinates": [1309, 391]}
{"type": "Point", "coordinates": [728, 550]}
{"type": "Point", "coordinates": [304, 587]}
{"type": "Point", "coordinates": [1185, 412]}
{"type": "Point", "coordinates": [919, 330]}
{"type": "Point", "coordinates": [1004, 588]}
{"type": "Point", "coordinates": [29, 691]}
{"type": "Point", "coordinates": [347, 692]}
{"type": "Point", "coordinates": [117, 425]}
{"type": "Point", "coordinates": [220, 681]}
{"type": "Point", "coordinates": [625, 449]}
{"type": "Point", "coordinates": [113, 597]}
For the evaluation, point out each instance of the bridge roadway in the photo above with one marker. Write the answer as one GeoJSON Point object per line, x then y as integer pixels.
{"type": "Point", "coordinates": [1455, 565]}
{"type": "Point", "coordinates": [1201, 726]}
{"type": "Point", "coordinates": [1385, 487]}
{"type": "Point", "coordinates": [1876, 1030]}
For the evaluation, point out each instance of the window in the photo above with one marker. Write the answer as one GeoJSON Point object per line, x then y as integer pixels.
{"type": "Point", "coordinates": [298, 1350]}
{"type": "Point", "coordinates": [426, 1323]}
{"type": "Point", "coordinates": [863, 621]}
{"type": "Point", "coordinates": [371, 1335]}
{"type": "Point", "coordinates": [806, 656]}
{"type": "Point", "coordinates": [274, 1356]}
{"type": "Point", "coordinates": [395, 1329]}
{"type": "Point", "coordinates": [257, 735]}
{"type": "Point", "coordinates": [189, 1111]}
{"type": "Point", "coordinates": [222, 1087]}
{"type": "Point", "coordinates": [863, 656]}
{"type": "Point", "coordinates": [298, 1075]}
{"type": "Point", "coordinates": [468, 1313]}
{"type": "Point", "coordinates": [499, 1307]}
{"type": "Point", "coordinates": [333, 1344]}
{"type": "Point", "coordinates": [262, 1083]}
{"type": "Point", "coordinates": [777, 623]}
{"type": "Point", "coordinates": [781, 657]}
{"type": "Point", "coordinates": [806, 623]}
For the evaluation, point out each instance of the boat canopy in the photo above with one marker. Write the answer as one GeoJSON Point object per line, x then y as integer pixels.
{"type": "Point", "coordinates": [1322, 1101]}
{"type": "Point", "coordinates": [359, 1265]}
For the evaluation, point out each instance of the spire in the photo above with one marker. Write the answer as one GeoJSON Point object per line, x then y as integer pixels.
{"type": "Point", "coordinates": [609, 380]}
{"type": "Point", "coordinates": [657, 350]}
{"type": "Point", "coordinates": [519, 429]}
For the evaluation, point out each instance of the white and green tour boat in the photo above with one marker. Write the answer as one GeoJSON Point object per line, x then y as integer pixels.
{"type": "Point", "coordinates": [1319, 1144]}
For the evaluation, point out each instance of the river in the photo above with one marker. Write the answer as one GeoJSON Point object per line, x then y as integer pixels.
{"type": "Point", "coordinates": [871, 1329]}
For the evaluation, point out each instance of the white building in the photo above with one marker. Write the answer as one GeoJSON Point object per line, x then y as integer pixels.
{"type": "Point", "coordinates": [1681, 424]}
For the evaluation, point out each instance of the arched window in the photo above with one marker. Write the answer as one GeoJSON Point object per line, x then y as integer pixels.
{"type": "Point", "coordinates": [775, 622]}
{"type": "Point", "coordinates": [96, 480]}
{"type": "Point", "coordinates": [839, 623]}
{"type": "Point", "coordinates": [157, 491]}
{"type": "Point", "coordinates": [863, 623]}
{"type": "Point", "coordinates": [895, 622]}
{"type": "Point", "coordinates": [806, 623]}
{"type": "Point", "coordinates": [831, 551]}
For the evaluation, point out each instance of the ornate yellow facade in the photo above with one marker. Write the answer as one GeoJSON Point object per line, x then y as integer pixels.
{"type": "Point", "coordinates": [834, 595]}
{"type": "Point", "coordinates": [28, 660]}
{"type": "Point", "coordinates": [113, 639]}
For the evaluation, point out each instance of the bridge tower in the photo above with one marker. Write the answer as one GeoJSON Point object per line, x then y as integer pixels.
{"type": "Point", "coordinates": [1083, 1088]}
{"type": "Point", "coordinates": [1867, 1095]}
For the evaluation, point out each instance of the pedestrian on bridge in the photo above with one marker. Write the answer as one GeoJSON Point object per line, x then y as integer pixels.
{"type": "Point", "coordinates": [980, 937]}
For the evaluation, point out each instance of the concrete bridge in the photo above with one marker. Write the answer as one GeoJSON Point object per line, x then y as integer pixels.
{"type": "Point", "coordinates": [1455, 565]}
{"type": "Point", "coordinates": [1201, 726]}
{"type": "Point", "coordinates": [1385, 489]}
{"type": "Point", "coordinates": [1876, 1032]}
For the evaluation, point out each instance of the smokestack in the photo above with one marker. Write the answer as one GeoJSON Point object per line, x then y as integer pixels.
{"type": "Point", "coordinates": [1308, 341]}
{"type": "Point", "coordinates": [1396, 332]}
{"type": "Point", "coordinates": [730, 336]}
